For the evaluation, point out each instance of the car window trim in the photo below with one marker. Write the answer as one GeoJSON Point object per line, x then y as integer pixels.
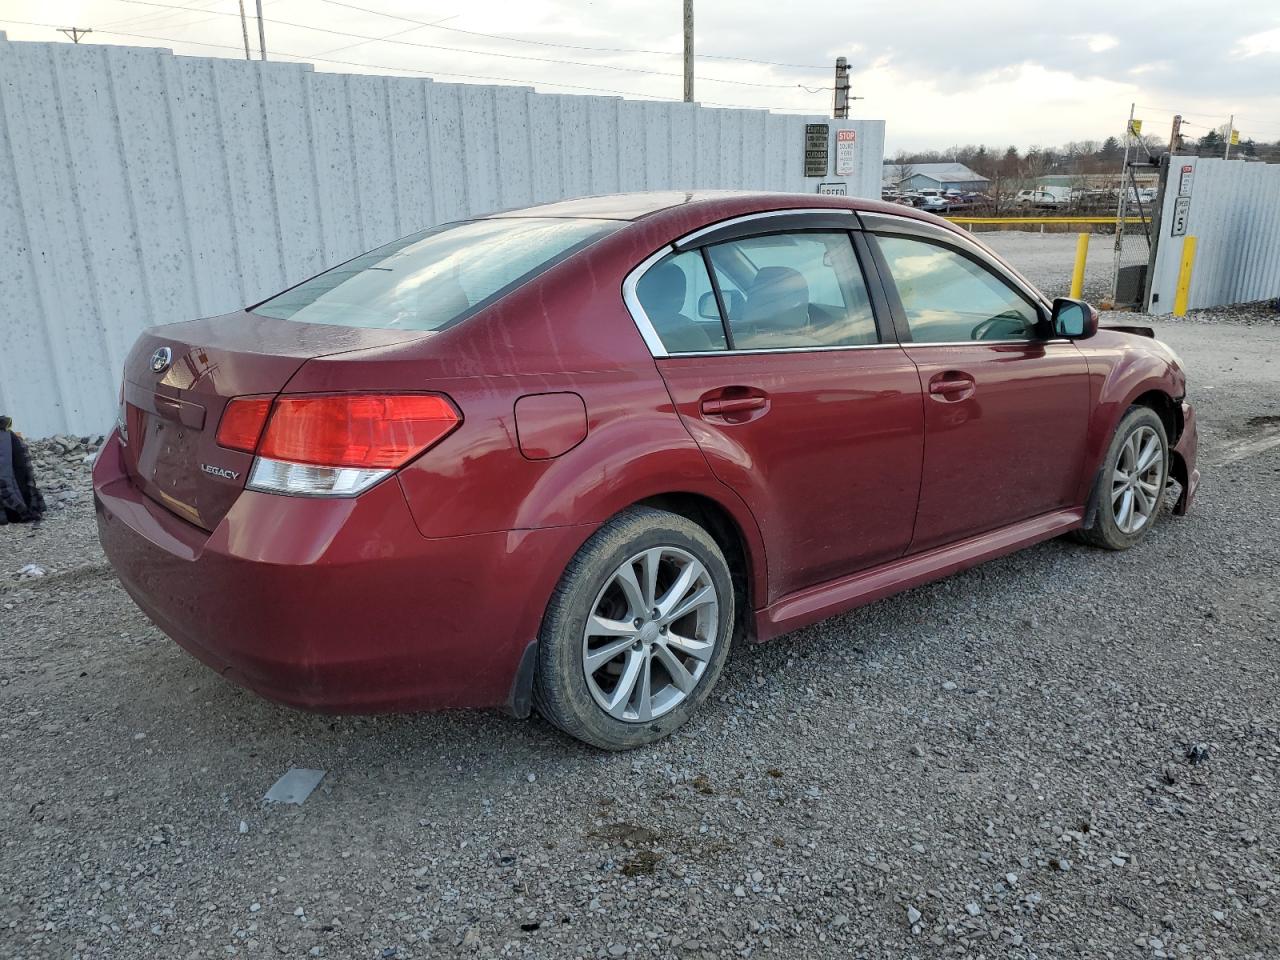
{"type": "Point", "coordinates": [737, 228]}
{"type": "Point", "coordinates": [886, 327]}
{"type": "Point", "coordinates": [886, 323]}
{"type": "Point", "coordinates": [900, 320]}
{"type": "Point", "coordinates": [704, 254]}
{"type": "Point", "coordinates": [849, 234]}
{"type": "Point", "coordinates": [648, 331]}
{"type": "Point", "coordinates": [742, 351]}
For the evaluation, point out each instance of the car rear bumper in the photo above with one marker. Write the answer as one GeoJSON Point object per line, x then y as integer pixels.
{"type": "Point", "coordinates": [1183, 465]}
{"type": "Point", "coordinates": [335, 604]}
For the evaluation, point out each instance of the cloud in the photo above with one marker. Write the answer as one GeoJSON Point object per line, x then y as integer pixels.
{"type": "Point", "coordinates": [1098, 42]}
{"type": "Point", "coordinates": [1260, 43]}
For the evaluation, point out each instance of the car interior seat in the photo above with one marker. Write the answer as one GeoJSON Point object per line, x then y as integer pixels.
{"type": "Point", "coordinates": [777, 309]}
{"type": "Point", "coordinates": [662, 292]}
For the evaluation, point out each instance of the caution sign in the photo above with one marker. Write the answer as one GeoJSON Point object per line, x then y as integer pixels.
{"type": "Point", "coordinates": [1235, 138]}
{"type": "Point", "coordinates": [816, 158]}
{"type": "Point", "coordinates": [1135, 128]}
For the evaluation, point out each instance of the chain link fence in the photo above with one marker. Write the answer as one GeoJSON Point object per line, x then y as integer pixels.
{"type": "Point", "coordinates": [1044, 249]}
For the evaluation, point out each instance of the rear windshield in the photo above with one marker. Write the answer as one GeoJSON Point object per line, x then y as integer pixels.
{"type": "Point", "coordinates": [432, 279]}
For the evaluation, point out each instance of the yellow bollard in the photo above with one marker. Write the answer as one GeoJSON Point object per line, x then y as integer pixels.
{"type": "Point", "coordinates": [1184, 277]}
{"type": "Point", "coordinates": [1077, 276]}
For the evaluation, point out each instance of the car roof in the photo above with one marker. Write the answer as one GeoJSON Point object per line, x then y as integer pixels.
{"type": "Point", "coordinates": [666, 214]}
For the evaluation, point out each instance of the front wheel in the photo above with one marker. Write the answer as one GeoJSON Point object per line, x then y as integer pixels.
{"type": "Point", "coordinates": [1130, 488]}
{"type": "Point", "coordinates": [637, 632]}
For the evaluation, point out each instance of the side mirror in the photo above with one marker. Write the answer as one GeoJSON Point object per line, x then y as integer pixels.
{"type": "Point", "coordinates": [733, 303]}
{"type": "Point", "coordinates": [1074, 319]}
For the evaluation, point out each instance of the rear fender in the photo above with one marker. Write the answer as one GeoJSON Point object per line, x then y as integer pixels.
{"type": "Point", "coordinates": [632, 468]}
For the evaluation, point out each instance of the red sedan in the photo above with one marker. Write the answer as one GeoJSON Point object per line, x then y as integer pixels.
{"type": "Point", "coordinates": [564, 457]}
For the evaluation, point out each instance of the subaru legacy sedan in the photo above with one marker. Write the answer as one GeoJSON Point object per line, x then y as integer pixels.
{"type": "Point", "coordinates": [564, 458]}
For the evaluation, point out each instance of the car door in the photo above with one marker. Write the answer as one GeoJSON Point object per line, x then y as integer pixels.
{"type": "Point", "coordinates": [1006, 406]}
{"type": "Point", "coordinates": [779, 371]}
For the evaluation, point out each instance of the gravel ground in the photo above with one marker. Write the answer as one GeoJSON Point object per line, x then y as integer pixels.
{"type": "Point", "coordinates": [1064, 753]}
{"type": "Point", "coordinates": [1048, 258]}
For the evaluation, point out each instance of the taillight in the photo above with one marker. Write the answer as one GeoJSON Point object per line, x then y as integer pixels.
{"type": "Point", "coordinates": [356, 430]}
{"type": "Point", "coordinates": [341, 444]}
{"type": "Point", "coordinates": [242, 421]}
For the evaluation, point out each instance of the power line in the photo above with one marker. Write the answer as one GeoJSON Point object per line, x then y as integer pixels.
{"type": "Point", "coordinates": [1217, 120]}
{"type": "Point", "coordinates": [1258, 123]}
{"type": "Point", "coordinates": [481, 53]}
{"type": "Point", "coordinates": [361, 43]}
{"type": "Point", "coordinates": [414, 71]}
{"type": "Point", "coordinates": [196, 6]}
{"type": "Point", "coordinates": [574, 46]}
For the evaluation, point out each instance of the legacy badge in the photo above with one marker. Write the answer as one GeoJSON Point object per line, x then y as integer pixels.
{"type": "Point", "coordinates": [222, 472]}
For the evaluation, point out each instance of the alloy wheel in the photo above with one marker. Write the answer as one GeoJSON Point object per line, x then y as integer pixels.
{"type": "Point", "coordinates": [650, 634]}
{"type": "Point", "coordinates": [1137, 482]}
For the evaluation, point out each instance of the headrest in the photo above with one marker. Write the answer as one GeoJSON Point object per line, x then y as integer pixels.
{"type": "Point", "coordinates": [662, 289]}
{"type": "Point", "coordinates": [778, 297]}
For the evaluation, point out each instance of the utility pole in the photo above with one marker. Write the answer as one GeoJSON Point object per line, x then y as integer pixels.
{"type": "Point", "coordinates": [244, 27]}
{"type": "Point", "coordinates": [75, 33]}
{"type": "Point", "coordinates": [1120, 207]}
{"type": "Point", "coordinates": [1175, 138]}
{"type": "Point", "coordinates": [841, 110]}
{"type": "Point", "coordinates": [1231, 129]}
{"type": "Point", "coordinates": [262, 33]}
{"type": "Point", "coordinates": [689, 50]}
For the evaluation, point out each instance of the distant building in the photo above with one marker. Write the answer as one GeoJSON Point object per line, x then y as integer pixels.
{"type": "Point", "coordinates": [935, 176]}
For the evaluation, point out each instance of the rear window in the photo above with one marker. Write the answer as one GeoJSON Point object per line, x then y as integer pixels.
{"type": "Point", "coordinates": [435, 278]}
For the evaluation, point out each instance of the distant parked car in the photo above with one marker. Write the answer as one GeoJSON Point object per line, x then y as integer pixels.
{"type": "Point", "coordinates": [935, 201]}
{"type": "Point", "coordinates": [1041, 199]}
{"type": "Point", "coordinates": [564, 457]}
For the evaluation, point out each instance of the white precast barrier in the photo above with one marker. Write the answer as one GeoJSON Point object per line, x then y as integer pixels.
{"type": "Point", "coordinates": [1232, 208]}
{"type": "Point", "coordinates": [138, 187]}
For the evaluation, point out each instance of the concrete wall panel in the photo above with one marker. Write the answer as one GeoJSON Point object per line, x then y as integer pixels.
{"type": "Point", "coordinates": [139, 188]}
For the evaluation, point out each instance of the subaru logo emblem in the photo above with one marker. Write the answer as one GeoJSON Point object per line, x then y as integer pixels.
{"type": "Point", "coordinates": [161, 359]}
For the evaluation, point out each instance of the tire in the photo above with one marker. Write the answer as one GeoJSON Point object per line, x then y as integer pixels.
{"type": "Point", "coordinates": [600, 708]}
{"type": "Point", "coordinates": [1116, 515]}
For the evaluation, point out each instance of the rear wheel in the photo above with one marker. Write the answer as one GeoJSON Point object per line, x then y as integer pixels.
{"type": "Point", "coordinates": [637, 632]}
{"type": "Point", "coordinates": [1130, 489]}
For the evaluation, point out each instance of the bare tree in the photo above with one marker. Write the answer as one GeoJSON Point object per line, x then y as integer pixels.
{"type": "Point", "coordinates": [902, 170]}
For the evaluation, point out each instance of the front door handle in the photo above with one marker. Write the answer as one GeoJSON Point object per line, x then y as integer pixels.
{"type": "Point", "coordinates": [952, 385]}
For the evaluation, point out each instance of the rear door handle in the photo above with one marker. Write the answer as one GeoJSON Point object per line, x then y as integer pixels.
{"type": "Point", "coordinates": [721, 406]}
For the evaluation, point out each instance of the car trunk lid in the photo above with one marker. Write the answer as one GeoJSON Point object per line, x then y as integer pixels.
{"type": "Point", "coordinates": [178, 380]}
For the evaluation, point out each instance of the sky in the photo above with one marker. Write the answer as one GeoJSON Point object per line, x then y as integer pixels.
{"type": "Point", "coordinates": [940, 73]}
